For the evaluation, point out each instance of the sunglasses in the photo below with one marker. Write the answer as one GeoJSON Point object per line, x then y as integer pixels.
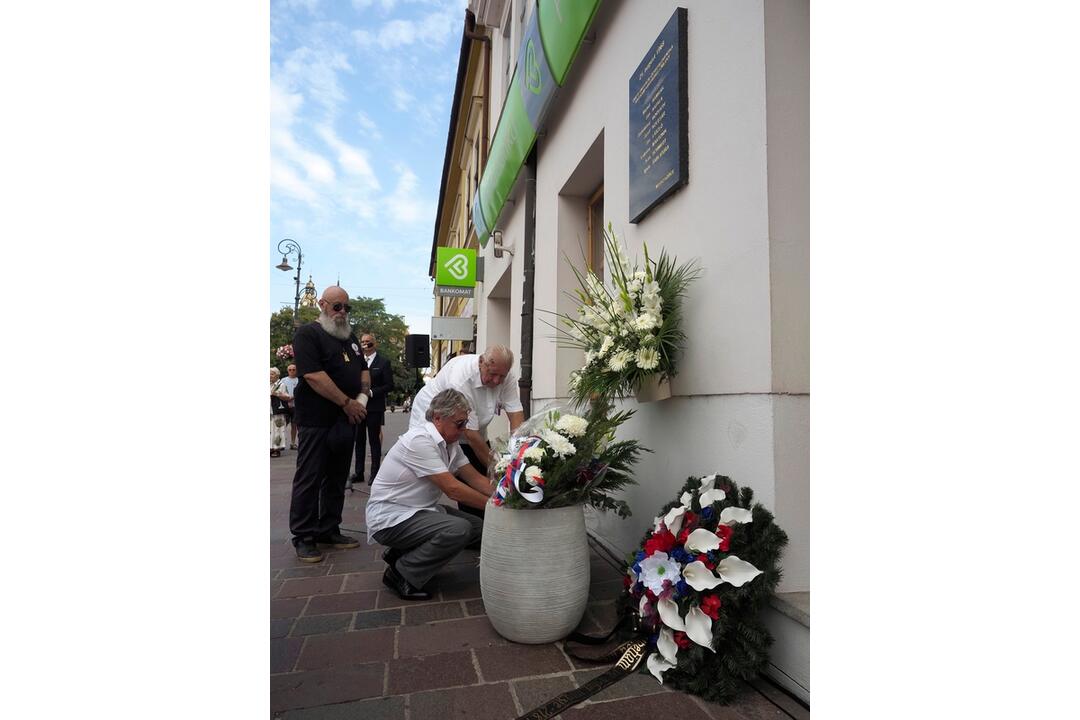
{"type": "Point", "coordinates": [459, 424]}
{"type": "Point", "coordinates": [367, 344]}
{"type": "Point", "coordinates": [338, 306]}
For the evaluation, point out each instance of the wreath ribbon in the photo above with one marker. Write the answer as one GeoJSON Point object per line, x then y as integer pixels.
{"type": "Point", "coordinates": [515, 471]}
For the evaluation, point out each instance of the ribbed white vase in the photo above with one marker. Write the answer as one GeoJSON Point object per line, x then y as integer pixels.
{"type": "Point", "coordinates": [534, 572]}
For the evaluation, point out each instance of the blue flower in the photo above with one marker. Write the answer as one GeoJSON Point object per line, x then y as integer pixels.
{"type": "Point", "coordinates": [637, 568]}
{"type": "Point", "coordinates": [640, 555]}
{"type": "Point", "coordinates": [707, 513]}
{"type": "Point", "coordinates": [682, 588]}
{"type": "Point", "coordinates": [639, 588]}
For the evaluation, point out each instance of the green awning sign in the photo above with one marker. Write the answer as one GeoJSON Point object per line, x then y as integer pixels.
{"type": "Point", "coordinates": [549, 45]}
{"type": "Point", "coordinates": [455, 266]}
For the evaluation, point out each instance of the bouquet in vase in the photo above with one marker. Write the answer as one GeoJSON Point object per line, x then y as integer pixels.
{"type": "Point", "coordinates": [631, 329]}
{"type": "Point", "coordinates": [556, 459]}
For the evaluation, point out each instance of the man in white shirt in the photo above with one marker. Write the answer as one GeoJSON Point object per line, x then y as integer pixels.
{"type": "Point", "coordinates": [404, 512]}
{"type": "Point", "coordinates": [491, 387]}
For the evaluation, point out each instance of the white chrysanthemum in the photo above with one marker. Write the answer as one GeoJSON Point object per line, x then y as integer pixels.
{"type": "Point", "coordinates": [619, 361]}
{"type": "Point", "coordinates": [572, 425]}
{"type": "Point", "coordinates": [535, 454]}
{"type": "Point", "coordinates": [503, 463]}
{"type": "Point", "coordinates": [560, 446]}
{"type": "Point", "coordinates": [657, 568]}
{"type": "Point", "coordinates": [533, 475]}
{"type": "Point", "coordinates": [647, 358]}
{"type": "Point", "coordinates": [645, 321]}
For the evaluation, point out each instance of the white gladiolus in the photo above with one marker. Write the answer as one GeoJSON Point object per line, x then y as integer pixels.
{"type": "Point", "coordinates": [606, 344]}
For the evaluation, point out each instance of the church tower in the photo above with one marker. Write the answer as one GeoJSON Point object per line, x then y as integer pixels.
{"type": "Point", "coordinates": [308, 298]}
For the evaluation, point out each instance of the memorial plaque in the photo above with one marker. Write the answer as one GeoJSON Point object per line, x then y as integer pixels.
{"type": "Point", "coordinates": [659, 148]}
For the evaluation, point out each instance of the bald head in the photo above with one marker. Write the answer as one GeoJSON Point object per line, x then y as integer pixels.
{"type": "Point", "coordinates": [495, 365]}
{"type": "Point", "coordinates": [334, 312]}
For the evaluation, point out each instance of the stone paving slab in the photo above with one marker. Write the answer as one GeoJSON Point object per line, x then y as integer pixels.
{"type": "Point", "coordinates": [344, 646]}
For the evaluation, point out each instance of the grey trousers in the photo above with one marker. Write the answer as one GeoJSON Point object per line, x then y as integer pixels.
{"type": "Point", "coordinates": [429, 541]}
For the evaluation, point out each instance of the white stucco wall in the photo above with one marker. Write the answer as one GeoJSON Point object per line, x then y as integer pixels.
{"type": "Point", "coordinates": [747, 330]}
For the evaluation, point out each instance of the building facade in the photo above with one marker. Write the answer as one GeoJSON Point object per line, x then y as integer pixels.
{"type": "Point", "coordinates": [740, 403]}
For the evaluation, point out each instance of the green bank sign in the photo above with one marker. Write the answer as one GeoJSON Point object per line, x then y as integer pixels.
{"type": "Point", "coordinates": [455, 267]}
{"type": "Point", "coordinates": [550, 44]}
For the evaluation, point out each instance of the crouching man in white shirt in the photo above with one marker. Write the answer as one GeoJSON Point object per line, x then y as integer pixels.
{"type": "Point", "coordinates": [404, 512]}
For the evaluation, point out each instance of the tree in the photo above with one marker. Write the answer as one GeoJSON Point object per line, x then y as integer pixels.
{"type": "Point", "coordinates": [281, 332]}
{"type": "Point", "coordinates": [369, 315]}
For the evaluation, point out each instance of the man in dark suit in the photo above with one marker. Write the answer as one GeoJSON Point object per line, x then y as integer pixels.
{"type": "Point", "coordinates": [370, 430]}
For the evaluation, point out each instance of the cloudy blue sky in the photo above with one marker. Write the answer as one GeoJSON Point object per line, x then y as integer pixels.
{"type": "Point", "coordinates": [360, 94]}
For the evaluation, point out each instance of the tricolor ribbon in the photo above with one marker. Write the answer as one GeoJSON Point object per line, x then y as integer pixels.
{"type": "Point", "coordinates": [515, 471]}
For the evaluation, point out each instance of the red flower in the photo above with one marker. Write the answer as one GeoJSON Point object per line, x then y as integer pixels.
{"type": "Point", "coordinates": [662, 541]}
{"type": "Point", "coordinates": [710, 605]}
{"type": "Point", "coordinates": [681, 640]}
{"type": "Point", "coordinates": [690, 520]}
{"type": "Point", "coordinates": [705, 560]}
{"type": "Point", "coordinates": [651, 595]}
{"type": "Point", "coordinates": [683, 535]}
{"type": "Point", "coordinates": [626, 581]}
{"type": "Point", "coordinates": [724, 533]}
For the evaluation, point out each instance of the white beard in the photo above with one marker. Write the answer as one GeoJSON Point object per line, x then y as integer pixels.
{"type": "Point", "coordinates": [339, 330]}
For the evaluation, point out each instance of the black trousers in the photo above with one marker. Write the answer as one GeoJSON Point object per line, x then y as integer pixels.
{"type": "Point", "coordinates": [480, 468]}
{"type": "Point", "coordinates": [318, 492]}
{"type": "Point", "coordinates": [368, 432]}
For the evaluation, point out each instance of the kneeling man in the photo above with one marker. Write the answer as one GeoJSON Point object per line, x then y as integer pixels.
{"type": "Point", "coordinates": [404, 512]}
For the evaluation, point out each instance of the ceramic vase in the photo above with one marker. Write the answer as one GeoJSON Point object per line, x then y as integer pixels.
{"type": "Point", "coordinates": [654, 387]}
{"type": "Point", "coordinates": [534, 572]}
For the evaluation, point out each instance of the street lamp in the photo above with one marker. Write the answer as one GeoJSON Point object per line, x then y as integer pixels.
{"type": "Point", "coordinates": [287, 247]}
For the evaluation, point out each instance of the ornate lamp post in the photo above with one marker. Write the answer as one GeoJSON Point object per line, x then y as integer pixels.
{"type": "Point", "coordinates": [286, 247]}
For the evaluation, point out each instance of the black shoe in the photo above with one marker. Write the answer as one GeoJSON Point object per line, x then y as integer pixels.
{"type": "Point", "coordinates": [474, 545]}
{"type": "Point", "coordinates": [307, 552]}
{"type": "Point", "coordinates": [338, 540]}
{"type": "Point", "coordinates": [391, 555]}
{"type": "Point", "coordinates": [401, 587]}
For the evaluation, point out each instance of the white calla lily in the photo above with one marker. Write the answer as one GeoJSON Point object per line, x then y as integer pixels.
{"type": "Point", "coordinates": [674, 519]}
{"type": "Point", "coordinates": [731, 515]}
{"type": "Point", "coordinates": [702, 540]}
{"type": "Point", "coordinates": [699, 627]}
{"type": "Point", "coordinates": [658, 666]}
{"type": "Point", "coordinates": [700, 577]}
{"type": "Point", "coordinates": [686, 499]}
{"type": "Point", "coordinates": [707, 483]}
{"type": "Point", "coordinates": [669, 614]}
{"type": "Point", "coordinates": [656, 523]}
{"type": "Point", "coordinates": [735, 571]}
{"type": "Point", "coordinates": [708, 497]}
{"type": "Point", "coordinates": [666, 644]}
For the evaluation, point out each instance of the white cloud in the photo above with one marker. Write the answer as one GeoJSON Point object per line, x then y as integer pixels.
{"type": "Point", "coordinates": [402, 98]}
{"type": "Point", "coordinates": [314, 72]}
{"type": "Point", "coordinates": [431, 30]}
{"type": "Point", "coordinates": [404, 205]}
{"type": "Point", "coordinates": [284, 179]}
{"type": "Point", "coordinates": [368, 126]}
{"type": "Point", "coordinates": [351, 159]}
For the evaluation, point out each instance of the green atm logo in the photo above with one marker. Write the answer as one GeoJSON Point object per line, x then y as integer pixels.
{"type": "Point", "coordinates": [455, 266]}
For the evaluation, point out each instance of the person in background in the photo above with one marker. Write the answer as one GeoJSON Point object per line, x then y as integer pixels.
{"type": "Point", "coordinates": [404, 513]}
{"type": "Point", "coordinates": [278, 411]}
{"type": "Point", "coordinates": [370, 430]}
{"type": "Point", "coordinates": [289, 382]}
{"type": "Point", "coordinates": [491, 387]}
{"type": "Point", "coordinates": [331, 396]}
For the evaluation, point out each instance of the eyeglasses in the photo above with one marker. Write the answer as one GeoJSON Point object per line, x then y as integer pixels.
{"type": "Point", "coordinates": [459, 424]}
{"type": "Point", "coordinates": [338, 306]}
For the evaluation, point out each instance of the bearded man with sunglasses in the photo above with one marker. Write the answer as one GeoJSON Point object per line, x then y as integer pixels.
{"type": "Point", "coordinates": [333, 375]}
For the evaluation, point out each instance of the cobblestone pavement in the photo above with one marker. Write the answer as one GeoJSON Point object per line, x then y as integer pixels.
{"type": "Point", "coordinates": [343, 646]}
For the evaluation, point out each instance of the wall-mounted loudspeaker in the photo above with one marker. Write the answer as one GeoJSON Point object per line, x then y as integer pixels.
{"type": "Point", "coordinates": [417, 351]}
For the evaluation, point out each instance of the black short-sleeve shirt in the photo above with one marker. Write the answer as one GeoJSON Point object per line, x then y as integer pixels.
{"type": "Point", "coordinates": [317, 350]}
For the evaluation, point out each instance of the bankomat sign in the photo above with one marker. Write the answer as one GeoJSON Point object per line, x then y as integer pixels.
{"type": "Point", "coordinates": [455, 268]}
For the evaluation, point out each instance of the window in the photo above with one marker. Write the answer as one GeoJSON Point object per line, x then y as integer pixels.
{"type": "Point", "coordinates": [595, 232]}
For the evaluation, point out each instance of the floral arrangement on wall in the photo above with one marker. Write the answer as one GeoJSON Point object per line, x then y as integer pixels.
{"type": "Point", "coordinates": [630, 329]}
